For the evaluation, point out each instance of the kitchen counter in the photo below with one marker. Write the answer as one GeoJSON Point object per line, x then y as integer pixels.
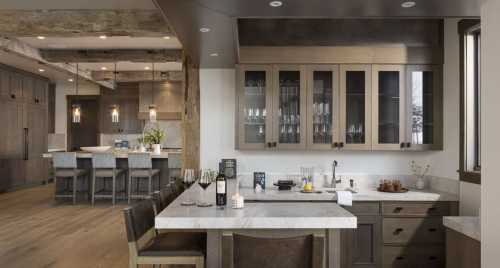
{"type": "Point", "coordinates": [122, 154]}
{"type": "Point", "coordinates": [469, 226]}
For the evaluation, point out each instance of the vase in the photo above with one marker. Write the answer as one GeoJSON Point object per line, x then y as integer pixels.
{"type": "Point", "coordinates": [157, 149]}
{"type": "Point", "coordinates": [420, 184]}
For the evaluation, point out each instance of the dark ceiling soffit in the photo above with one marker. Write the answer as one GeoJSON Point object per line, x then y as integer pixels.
{"type": "Point", "coordinates": [111, 55]}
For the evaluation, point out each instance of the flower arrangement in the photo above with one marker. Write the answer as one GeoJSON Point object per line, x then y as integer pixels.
{"type": "Point", "coordinates": [418, 170]}
{"type": "Point", "coordinates": [154, 136]}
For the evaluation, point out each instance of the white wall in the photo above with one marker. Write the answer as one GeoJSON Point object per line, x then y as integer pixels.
{"type": "Point", "coordinates": [490, 155]}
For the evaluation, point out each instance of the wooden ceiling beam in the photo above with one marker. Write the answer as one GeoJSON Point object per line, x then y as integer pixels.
{"type": "Point", "coordinates": [112, 55]}
{"type": "Point", "coordinates": [79, 23]}
{"type": "Point", "coordinates": [138, 76]}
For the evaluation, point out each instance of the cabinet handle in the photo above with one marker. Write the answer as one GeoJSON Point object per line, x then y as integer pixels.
{"type": "Point", "coordinates": [399, 258]}
{"type": "Point", "coordinates": [432, 258]}
{"type": "Point", "coordinates": [275, 144]}
{"type": "Point", "coordinates": [335, 145]}
{"type": "Point", "coordinates": [341, 145]}
{"type": "Point", "coordinates": [26, 145]}
{"type": "Point", "coordinates": [12, 96]}
{"type": "Point", "coordinates": [429, 210]}
{"type": "Point", "coordinates": [408, 144]}
{"type": "Point", "coordinates": [402, 145]}
{"type": "Point", "coordinates": [398, 209]}
{"type": "Point", "coordinates": [36, 100]}
{"type": "Point", "coordinates": [432, 230]}
{"type": "Point", "coordinates": [398, 231]}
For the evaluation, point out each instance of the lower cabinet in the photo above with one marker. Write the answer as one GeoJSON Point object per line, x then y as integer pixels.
{"type": "Point", "coordinates": [397, 234]}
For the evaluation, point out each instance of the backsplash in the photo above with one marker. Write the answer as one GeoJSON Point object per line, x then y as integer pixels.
{"type": "Point", "coordinates": [172, 129]}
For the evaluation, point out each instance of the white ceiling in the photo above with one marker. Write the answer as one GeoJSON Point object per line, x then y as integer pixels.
{"type": "Point", "coordinates": [115, 42]}
{"type": "Point", "coordinates": [74, 4]}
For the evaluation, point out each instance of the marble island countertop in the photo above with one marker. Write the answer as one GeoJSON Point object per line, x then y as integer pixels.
{"type": "Point", "coordinates": [469, 226]}
{"type": "Point", "coordinates": [122, 154]}
{"type": "Point", "coordinates": [255, 215]}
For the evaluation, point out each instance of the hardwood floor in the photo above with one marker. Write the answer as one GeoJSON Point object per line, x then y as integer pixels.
{"type": "Point", "coordinates": [36, 231]}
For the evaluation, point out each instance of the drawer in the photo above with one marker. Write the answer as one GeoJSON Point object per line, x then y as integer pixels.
{"type": "Point", "coordinates": [430, 257]}
{"type": "Point", "coordinates": [416, 209]}
{"type": "Point", "coordinates": [364, 208]}
{"type": "Point", "coordinates": [413, 230]}
{"type": "Point", "coordinates": [396, 257]}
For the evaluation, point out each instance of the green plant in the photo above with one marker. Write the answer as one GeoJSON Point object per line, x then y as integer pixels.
{"type": "Point", "coordinates": [154, 136]}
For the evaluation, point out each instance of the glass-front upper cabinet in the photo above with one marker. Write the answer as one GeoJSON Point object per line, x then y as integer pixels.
{"type": "Point", "coordinates": [355, 107]}
{"type": "Point", "coordinates": [388, 110]}
{"type": "Point", "coordinates": [323, 107]}
{"type": "Point", "coordinates": [254, 107]}
{"type": "Point", "coordinates": [424, 108]}
{"type": "Point", "coordinates": [289, 107]}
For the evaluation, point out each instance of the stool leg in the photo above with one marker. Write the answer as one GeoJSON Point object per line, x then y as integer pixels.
{"type": "Point", "coordinates": [55, 187]}
{"type": "Point", "coordinates": [113, 193]}
{"type": "Point", "coordinates": [74, 189]}
{"type": "Point", "coordinates": [93, 187]}
{"type": "Point", "coordinates": [129, 186]}
{"type": "Point", "coordinates": [149, 185]}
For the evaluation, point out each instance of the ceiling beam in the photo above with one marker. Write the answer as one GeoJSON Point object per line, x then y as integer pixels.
{"type": "Point", "coordinates": [24, 50]}
{"type": "Point", "coordinates": [112, 55]}
{"type": "Point", "coordinates": [78, 23]}
{"type": "Point", "coordinates": [138, 76]}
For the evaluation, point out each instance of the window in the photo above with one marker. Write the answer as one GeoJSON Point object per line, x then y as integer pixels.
{"type": "Point", "coordinates": [470, 106]}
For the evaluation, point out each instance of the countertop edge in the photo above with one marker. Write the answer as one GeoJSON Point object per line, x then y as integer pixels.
{"type": "Point", "coordinates": [468, 226]}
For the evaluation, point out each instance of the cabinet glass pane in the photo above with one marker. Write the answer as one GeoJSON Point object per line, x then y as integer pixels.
{"type": "Point", "coordinates": [422, 108]}
{"type": "Point", "coordinates": [388, 107]}
{"type": "Point", "coordinates": [255, 106]}
{"type": "Point", "coordinates": [289, 107]}
{"type": "Point", "coordinates": [355, 107]}
{"type": "Point", "coordinates": [322, 107]}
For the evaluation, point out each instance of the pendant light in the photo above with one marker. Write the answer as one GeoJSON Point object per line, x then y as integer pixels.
{"type": "Point", "coordinates": [115, 109]}
{"type": "Point", "coordinates": [76, 108]}
{"type": "Point", "coordinates": [152, 106]}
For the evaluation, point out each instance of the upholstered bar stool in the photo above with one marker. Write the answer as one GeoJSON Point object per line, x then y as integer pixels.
{"type": "Point", "coordinates": [104, 167]}
{"type": "Point", "coordinates": [66, 169]}
{"type": "Point", "coordinates": [140, 166]}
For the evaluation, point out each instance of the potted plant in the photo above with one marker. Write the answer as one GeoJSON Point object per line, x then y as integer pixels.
{"type": "Point", "coordinates": [154, 137]}
{"type": "Point", "coordinates": [419, 172]}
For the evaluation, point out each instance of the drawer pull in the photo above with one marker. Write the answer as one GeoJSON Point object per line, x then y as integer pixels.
{"type": "Point", "coordinates": [398, 209]}
{"type": "Point", "coordinates": [432, 230]}
{"type": "Point", "coordinates": [432, 258]}
{"type": "Point", "coordinates": [431, 210]}
{"type": "Point", "coordinates": [398, 231]}
{"type": "Point", "coordinates": [399, 258]}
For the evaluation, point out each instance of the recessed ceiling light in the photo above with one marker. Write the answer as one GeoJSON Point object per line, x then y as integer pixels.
{"type": "Point", "coordinates": [103, 37]}
{"type": "Point", "coordinates": [104, 68]}
{"type": "Point", "coordinates": [275, 3]}
{"type": "Point", "coordinates": [41, 37]}
{"type": "Point", "coordinates": [214, 54]}
{"type": "Point", "coordinates": [408, 4]}
{"type": "Point", "coordinates": [166, 37]}
{"type": "Point", "coordinates": [41, 70]}
{"type": "Point", "coordinates": [204, 30]}
{"type": "Point", "coordinates": [147, 68]}
{"type": "Point", "coordinates": [70, 80]}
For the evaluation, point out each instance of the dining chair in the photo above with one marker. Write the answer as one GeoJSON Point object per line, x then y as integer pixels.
{"type": "Point", "coordinates": [66, 169]}
{"type": "Point", "coordinates": [140, 166]}
{"type": "Point", "coordinates": [243, 251]}
{"type": "Point", "coordinates": [104, 167]}
{"type": "Point", "coordinates": [148, 247]}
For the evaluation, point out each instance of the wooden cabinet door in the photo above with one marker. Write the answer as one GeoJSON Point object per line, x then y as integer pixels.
{"type": "Point", "coordinates": [289, 106]}
{"type": "Point", "coordinates": [4, 83]}
{"type": "Point", "coordinates": [11, 135]}
{"type": "Point", "coordinates": [362, 247]}
{"type": "Point", "coordinates": [41, 91]}
{"type": "Point", "coordinates": [323, 107]}
{"type": "Point", "coordinates": [355, 107]}
{"type": "Point", "coordinates": [28, 84]}
{"type": "Point", "coordinates": [254, 128]}
{"type": "Point", "coordinates": [16, 85]}
{"type": "Point", "coordinates": [424, 116]}
{"type": "Point", "coordinates": [388, 107]}
{"type": "Point", "coordinates": [129, 111]}
{"type": "Point", "coordinates": [36, 170]}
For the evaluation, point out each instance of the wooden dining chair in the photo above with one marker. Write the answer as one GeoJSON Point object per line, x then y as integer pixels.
{"type": "Point", "coordinates": [242, 251]}
{"type": "Point", "coordinates": [148, 247]}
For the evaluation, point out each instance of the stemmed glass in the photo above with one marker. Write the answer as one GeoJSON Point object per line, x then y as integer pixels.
{"type": "Point", "coordinates": [188, 181]}
{"type": "Point", "coordinates": [205, 181]}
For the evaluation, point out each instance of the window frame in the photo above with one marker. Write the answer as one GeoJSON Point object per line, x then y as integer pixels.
{"type": "Point", "coordinates": [467, 27]}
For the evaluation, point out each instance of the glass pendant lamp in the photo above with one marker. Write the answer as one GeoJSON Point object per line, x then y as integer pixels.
{"type": "Point", "coordinates": [152, 106]}
{"type": "Point", "coordinates": [115, 109]}
{"type": "Point", "coordinates": [76, 108]}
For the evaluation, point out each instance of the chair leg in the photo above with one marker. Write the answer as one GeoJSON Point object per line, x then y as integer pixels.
{"type": "Point", "coordinates": [129, 187]}
{"type": "Point", "coordinates": [93, 188]}
{"type": "Point", "coordinates": [55, 187]}
{"type": "Point", "coordinates": [75, 179]}
{"type": "Point", "coordinates": [113, 193]}
{"type": "Point", "coordinates": [150, 186]}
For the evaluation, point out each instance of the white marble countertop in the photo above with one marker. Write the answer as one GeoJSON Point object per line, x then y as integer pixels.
{"type": "Point", "coordinates": [469, 226]}
{"type": "Point", "coordinates": [361, 195]}
{"type": "Point", "coordinates": [255, 215]}
{"type": "Point", "coordinates": [124, 154]}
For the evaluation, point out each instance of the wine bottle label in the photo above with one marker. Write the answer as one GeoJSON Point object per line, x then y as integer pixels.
{"type": "Point", "coordinates": [221, 187]}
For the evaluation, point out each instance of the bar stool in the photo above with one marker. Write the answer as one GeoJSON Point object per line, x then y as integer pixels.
{"type": "Point", "coordinates": [104, 166]}
{"type": "Point", "coordinates": [140, 166]}
{"type": "Point", "coordinates": [65, 167]}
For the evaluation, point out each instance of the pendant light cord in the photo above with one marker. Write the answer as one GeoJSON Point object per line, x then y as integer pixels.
{"type": "Point", "coordinates": [153, 83]}
{"type": "Point", "coordinates": [76, 79]}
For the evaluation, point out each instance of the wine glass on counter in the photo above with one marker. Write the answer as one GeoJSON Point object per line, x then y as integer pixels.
{"type": "Point", "coordinates": [205, 181]}
{"type": "Point", "coordinates": [187, 182]}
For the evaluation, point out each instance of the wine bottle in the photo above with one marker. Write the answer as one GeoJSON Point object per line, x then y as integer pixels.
{"type": "Point", "coordinates": [221, 190]}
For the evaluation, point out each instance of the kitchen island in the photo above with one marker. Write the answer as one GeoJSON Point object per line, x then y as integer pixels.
{"type": "Point", "coordinates": [280, 219]}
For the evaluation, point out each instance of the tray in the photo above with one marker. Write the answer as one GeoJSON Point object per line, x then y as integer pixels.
{"type": "Point", "coordinates": [311, 192]}
{"type": "Point", "coordinates": [403, 190]}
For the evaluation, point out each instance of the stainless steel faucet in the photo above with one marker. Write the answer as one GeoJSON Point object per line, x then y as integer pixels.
{"type": "Point", "coordinates": [334, 179]}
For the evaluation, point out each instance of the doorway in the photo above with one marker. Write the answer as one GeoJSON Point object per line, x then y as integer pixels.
{"type": "Point", "coordinates": [85, 133]}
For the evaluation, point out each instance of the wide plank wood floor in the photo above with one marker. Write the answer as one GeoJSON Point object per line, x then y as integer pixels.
{"type": "Point", "coordinates": [36, 231]}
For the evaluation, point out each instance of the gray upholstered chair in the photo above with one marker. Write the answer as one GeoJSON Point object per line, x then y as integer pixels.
{"type": "Point", "coordinates": [103, 167]}
{"type": "Point", "coordinates": [140, 166]}
{"type": "Point", "coordinates": [148, 247]}
{"type": "Point", "coordinates": [243, 251]}
{"type": "Point", "coordinates": [65, 169]}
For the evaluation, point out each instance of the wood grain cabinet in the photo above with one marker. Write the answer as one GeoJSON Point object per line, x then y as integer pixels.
{"type": "Point", "coordinates": [126, 97]}
{"type": "Point", "coordinates": [339, 107]}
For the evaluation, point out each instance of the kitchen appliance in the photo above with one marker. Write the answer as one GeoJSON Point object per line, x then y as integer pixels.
{"type": "Point", "coordinates": [228, 168]}
{"type": "Point", "coordinates": [285, 185]}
